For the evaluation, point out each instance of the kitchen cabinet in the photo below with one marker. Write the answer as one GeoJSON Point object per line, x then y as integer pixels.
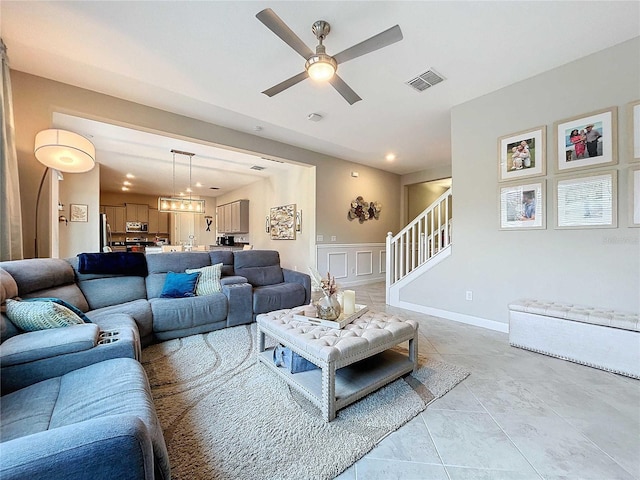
{"type": "Point", "coordinates": [233, 217]}
{"type": "Point", "coordinates": [158, 221]}
{"type": "Point", "coordinates": [115, 217]}
{"type": "Point", "coordinates": [137, 212]}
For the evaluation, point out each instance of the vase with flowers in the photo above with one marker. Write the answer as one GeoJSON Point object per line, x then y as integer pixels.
{"type": "Point", "coordinates": [325, 298]}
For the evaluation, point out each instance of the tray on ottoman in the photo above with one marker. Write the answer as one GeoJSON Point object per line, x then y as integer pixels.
{"type": "Point", "coordinates": [340, 322]}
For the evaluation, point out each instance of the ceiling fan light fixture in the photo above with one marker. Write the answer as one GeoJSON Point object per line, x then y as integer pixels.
{"type": "Point", "coordinates": [321, 67]}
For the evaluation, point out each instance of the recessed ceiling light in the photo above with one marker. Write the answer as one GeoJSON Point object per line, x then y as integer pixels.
{"type": "Point", "coordinates": [125, 189]}
{"type": "Point", "coordinates": [127, 183]}
{"type": "Point", "coordinates": [189, 190]}
{"type": "Point", "coordinates": [181, 194]}
{"type": "Point", "coordinates": [130, 175]}
{"type": "Point", "coordinates": [198, 184]}
{"type": "Point", "coordinates": [390, 157]}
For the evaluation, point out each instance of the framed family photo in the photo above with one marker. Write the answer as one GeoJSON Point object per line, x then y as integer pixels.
{"type": "Point", "coordinates": [522, 206]}
{"type": "Point", "coordinates": [634, 196]}
{"type": "Point", "coordinates": [634, 125]}
{"type": "Point", "coordinates": [522, 154]}
{"type": "Point", "coordinates": [586, 140]}
{"type": "Point", "coordinates": [588, 200]}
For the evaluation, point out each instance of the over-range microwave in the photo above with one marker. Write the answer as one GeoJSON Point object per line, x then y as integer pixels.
{"type": "Point", "coordinates": [136, 227]}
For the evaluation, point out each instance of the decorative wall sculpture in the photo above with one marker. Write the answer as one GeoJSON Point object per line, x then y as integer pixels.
{"type": "Point", "coordinates": [364, 210]}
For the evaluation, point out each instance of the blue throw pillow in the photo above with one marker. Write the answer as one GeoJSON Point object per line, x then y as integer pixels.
{"type": "Point", "coordinates": [59, 301]}
{"type": "Point", "coordinates": [178, 285]}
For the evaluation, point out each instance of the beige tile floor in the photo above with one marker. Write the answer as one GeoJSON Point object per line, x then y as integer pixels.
{"type": "Point", "coordinates": [518, 416]}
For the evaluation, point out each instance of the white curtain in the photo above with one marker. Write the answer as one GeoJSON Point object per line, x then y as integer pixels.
{"type": "Point", "coordinates": [10, 210]}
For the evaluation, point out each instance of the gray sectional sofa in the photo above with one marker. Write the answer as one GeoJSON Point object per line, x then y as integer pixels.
{"type": "Point", "coordinates": [75, 401]}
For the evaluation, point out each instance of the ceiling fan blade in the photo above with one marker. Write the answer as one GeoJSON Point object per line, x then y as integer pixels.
{"type": "Point", "coordinates": [274, 23]}
{"type": "Point", "coordinates": [381, 40]}
{"type": "Point", "coordinates": [290, 82]}
{"type": "Point", "coordinates": [344, 89]}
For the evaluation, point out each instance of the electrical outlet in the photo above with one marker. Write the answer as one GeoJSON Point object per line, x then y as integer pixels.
{"type": "Point", "coordinates": [320, 238]}
{"type": "Point", "coordinates": [333, 238]}
{"type": "Point", "coordinates": [469, 295]}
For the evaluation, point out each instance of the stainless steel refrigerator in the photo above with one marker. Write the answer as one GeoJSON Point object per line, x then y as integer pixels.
{"type": "Point", "coordinates": [105, 233]}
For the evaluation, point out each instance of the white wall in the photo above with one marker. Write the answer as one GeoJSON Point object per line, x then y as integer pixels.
{"type": "Point", "coordinates": [298, 185]}
{"type": "Point", "coordinates": [79, 237]}
{"type": "Point", "coordinates": [598, 267]}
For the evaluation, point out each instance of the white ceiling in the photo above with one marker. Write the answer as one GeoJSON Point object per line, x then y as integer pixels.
{"type": "Point", "coordinates": [210, 61]}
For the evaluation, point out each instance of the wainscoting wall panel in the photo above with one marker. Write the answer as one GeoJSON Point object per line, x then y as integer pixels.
{"type": "Point", "coordinates": [364, 263]}
{"type": "Point", "coordinates": [337, 264]}
{"type": "Point", "coordinates": [352, 264]}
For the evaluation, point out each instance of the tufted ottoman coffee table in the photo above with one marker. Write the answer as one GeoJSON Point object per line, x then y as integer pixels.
{"type": "Point", "coordinates": [354, 361]}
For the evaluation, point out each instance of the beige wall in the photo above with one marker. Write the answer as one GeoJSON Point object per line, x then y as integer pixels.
{"type": "Point", "coordinates": [36, 98]}
{"type": "Point", "coordinates": [79, 237]}
{"type": "Point", "coordinates": [421, 195]}
{"type": "Point", "coordinates": [295, 186]}
{"type": "Point", "coordinates": [598, 267]}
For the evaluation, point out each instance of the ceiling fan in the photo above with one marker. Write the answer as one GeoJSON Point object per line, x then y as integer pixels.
{"type": "Point", "coordinates": [319, 65]}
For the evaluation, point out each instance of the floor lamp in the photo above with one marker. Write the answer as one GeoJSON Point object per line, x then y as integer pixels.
{"type": "Point", "coordinates": [64, 151]}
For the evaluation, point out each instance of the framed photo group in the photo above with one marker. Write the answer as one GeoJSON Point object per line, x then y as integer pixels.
{"type": "Point", "coordinates": [586, 199]}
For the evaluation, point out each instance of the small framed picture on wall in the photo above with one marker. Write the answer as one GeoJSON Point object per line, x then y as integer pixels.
{"type": "Point", "coordinates": [522, 154]}
{"type": "Point", "coordinates": [634, 126]}
{"type": "Point", "coordinates": [522, 206]}
{"type": "Point", "coordinates": [78, 213]}
{"type": "Point", "coordinates": [586, 140]}
{"type": "Point", "coordinates": [588, 200]}
{"type": "Point", "coordinates": [634, 196]}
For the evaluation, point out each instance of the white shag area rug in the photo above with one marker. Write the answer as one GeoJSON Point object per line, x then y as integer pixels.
{"type": "Point", "coordinates": [225, 416]}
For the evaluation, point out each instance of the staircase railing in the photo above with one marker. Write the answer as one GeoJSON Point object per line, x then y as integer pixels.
{"type": "Point", "coordinates": [422, 239]}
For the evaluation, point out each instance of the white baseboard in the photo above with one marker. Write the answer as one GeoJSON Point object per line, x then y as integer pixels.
{"type": "Point", "coordinates": [456, 317]}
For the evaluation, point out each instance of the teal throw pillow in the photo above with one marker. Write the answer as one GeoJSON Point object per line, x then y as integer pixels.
{"type": "Point", "coordinates": [209, 280]}
{"type": "Point", "coordinates": [59, 301]}
{"type": "Point", "coordinates": [179, 285]}
{"type": "Point", "coordinates": [33, 316]}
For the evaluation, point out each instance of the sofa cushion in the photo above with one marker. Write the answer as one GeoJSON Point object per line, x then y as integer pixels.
{"type": "Point", "coordinates": [160, 264]}
{"type": "Point", "coordinates": [36, 274]}
{"type": "Point", "coordinates": [209, 279]}
{"type": "Point", "coordinates": [28, 411]}
{"type": "Point", "coordinates": [107, 389]}
{"type": "Point", "coordinates": [103, 290]}
{"type": "Point", "coordinates": [182, 313]}
{"type": "Point", "coordinates": [226, 258]}
{"type": "Point", "coordinates": [276, 297]}
{"type": "Point", "coordinates": [33, 316]}
{"type": "Point", "coordinates": [139, 310]}
{"type": "Point", "coordinates": [33, 346]}
{"type": "Point", "coordinates": [259, 267]}
{"type": "Point", "coordinates": [46, 277]}
{"type": "Point", "coordinates": [178, 285]}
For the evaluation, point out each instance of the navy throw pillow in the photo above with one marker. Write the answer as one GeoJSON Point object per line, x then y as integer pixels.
{"type": "Point", "coordinates": [59, 301]}
{"type": "Point", "coordinates": [178, 285]}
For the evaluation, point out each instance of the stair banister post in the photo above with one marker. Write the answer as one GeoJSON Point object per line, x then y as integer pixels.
{"type": "Point", "coordinates": [388, 265]}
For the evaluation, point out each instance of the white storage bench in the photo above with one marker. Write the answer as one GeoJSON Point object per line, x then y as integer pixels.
{"type": "Point", "coordinates": [599, 338]}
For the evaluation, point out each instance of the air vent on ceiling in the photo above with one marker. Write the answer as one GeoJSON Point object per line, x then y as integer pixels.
{"type": "Point", "coordinates": [214, 188]}
{"type": "Point", "coordinates": [257, 167]}
{"type": "Point", "coordinates": [272, 160]}
{"type": "Point", "coordinates": [425, 80]}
